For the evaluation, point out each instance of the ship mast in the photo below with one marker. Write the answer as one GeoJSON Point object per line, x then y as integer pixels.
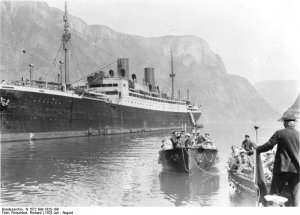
{"type": "Point", "coordinates": [66, 38]}
{"type": "Point", "coordinates": [172, 75]}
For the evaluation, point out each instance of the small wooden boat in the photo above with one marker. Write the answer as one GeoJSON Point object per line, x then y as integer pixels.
{"type": "Point", "coordinates": [241, 183]}
{"type": "Point", "coordinates": [187, 159]}
{"type": "Point", "coordinates": [245, 183]}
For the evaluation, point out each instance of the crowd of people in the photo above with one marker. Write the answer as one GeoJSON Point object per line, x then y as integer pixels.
{"type": "Point", "coordinates": [180, 139]}
{"type": "Point", "coordinates": [241, 160]}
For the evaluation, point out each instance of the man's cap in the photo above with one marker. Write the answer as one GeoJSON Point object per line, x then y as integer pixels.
{"type": "Point", "coordinates": [187, 134]}
{"type": "Point", "coordinates": [289, 115]}
{"type": "Point", "coordinates": [247, 135]}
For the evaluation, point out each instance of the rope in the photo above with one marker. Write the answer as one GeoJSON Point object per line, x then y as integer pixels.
{"type": "Point", "coordinates": [94, 72]}
{"type": "Point", "coordinates": [77, 66]}
{"type": "Point", "coordinates": [213, 174]}
{"type": "Point", "coordinates": [54, 67]}
{"type": "Point", "coordinates": [184, 161]}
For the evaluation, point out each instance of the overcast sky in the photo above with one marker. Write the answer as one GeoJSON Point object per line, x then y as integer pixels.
{"type": "Point", "coordinates": [257, 39]}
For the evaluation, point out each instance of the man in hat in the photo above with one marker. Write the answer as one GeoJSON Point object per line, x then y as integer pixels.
{"type": "Point", "coordinates": [209, 140]}
{"type": "Point", "coordinates": [248, 145]}
{"type": "Point", "coordinates": [187, 141]}
{"type": "Point", "coordinates": [286, 164]}
{"type": "Point", "coordinates": [199, 138]}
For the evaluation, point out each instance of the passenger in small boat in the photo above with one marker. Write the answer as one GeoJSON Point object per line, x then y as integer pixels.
{"type": "Point", "coordinates": [209, 141]}
{"type": "Point", "coordinates": [248, 145]}
{"type": "Point", "coordinates": [235, 162]}
{"type": "Point", "coordinates": [182, 134]}
{"type": "Point", "coordinates": [269, 160]}
{"type": "Point", "coordinates": [199, 138]}
{"type": "Point", "coordinates": [166, 145]}
{"type": "Point", "coordinates": [268, 164]}
{"type": "Point", "coordinates": [174, 139]}
{"type": "Point", "coordinates": [246, 165]}
{"type": "Point", "coordinates": [188, 140]}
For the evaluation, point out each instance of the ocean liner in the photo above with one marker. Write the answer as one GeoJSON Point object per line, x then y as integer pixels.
{"type": "Point", "coordinates": [109, 103]}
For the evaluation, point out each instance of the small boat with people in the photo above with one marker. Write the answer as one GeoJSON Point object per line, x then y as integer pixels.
{"type": "Point", "coordinates": [185, 153]}
{"type": "Point", "coordinates": [251, 174]}
{"type": "Point", "coordinates": [240, 170]}
{"type": "Point", "coordinates": [269, 171]}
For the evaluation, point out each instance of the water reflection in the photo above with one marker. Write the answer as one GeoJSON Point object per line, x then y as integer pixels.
{"type": "Point", "coordinates": [184, 189]}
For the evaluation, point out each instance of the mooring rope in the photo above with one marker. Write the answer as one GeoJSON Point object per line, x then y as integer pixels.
{"type": "Point", "coordinates": [184, 161]}
{"type": "Point", "coordinates": [213, 174]}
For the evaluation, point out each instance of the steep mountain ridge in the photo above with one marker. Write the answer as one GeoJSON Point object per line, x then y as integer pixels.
{"type": "Point", "coordinates": [37, 28]}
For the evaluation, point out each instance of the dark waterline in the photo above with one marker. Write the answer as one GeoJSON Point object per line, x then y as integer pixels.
{"type": "Point", "coordinates": [118, 170]}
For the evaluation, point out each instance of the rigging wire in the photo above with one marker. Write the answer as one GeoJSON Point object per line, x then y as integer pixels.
{"type": "Point", "coordinates": [53, 65]}
{"type": "Point", "coordinates": [77, 66]}
{"type": "Point", "coordinates": [94, 72]}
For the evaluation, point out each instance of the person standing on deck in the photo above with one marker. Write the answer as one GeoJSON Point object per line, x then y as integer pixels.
{"type": "Point", "coordinates": [286, 164]}
{"type": "Point", "coordinates": [248, 145]}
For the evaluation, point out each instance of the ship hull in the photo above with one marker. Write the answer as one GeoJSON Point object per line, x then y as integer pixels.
{"type": "Point", "coordinates": [185, 160]}
{"type": "Point", "coordinates": [32, 115]}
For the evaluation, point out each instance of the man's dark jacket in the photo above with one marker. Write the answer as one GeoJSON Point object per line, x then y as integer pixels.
{"type": "Point", "coordinates": [248, 145]}
{"type": "Point", "coordinates": [287, 155]}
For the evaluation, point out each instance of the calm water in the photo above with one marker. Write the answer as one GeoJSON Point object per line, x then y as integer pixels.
{"type": "Point", "coordinates": [117, 170]}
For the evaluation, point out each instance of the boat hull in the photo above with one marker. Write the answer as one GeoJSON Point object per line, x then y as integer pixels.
{"type": "Point", "coordinates": [186, 160]}
{"type": "Point", "coordinates": [246, 185]}
{"type": "Point", "coordinates": [32, 115]}
{"type": "Point", "coordinates": [242, 183]}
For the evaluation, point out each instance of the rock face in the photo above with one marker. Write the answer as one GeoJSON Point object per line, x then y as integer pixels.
{"type": "Point", "coordinates": [36, 28]}
{"type": "Point", "coordinates": [280, 94]}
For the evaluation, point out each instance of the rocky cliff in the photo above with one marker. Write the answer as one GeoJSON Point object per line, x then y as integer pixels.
{"type": "Point", "coordinates": [31, 31]}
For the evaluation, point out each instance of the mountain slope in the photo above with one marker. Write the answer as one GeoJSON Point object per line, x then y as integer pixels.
{"type": "Point", "coordinates": [36, 28]}
{"type": "Point", "coordinates": [278, 93]}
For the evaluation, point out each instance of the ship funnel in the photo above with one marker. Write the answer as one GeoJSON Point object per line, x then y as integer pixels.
{"type": "Point", "coordinates": [123, 68]}
{"type": "Point", "coordinates": [149, 76]}
{"type": "Point", "coordinates": [133, 76]}
{"type": "Point", "coordinates": [111, 73]}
